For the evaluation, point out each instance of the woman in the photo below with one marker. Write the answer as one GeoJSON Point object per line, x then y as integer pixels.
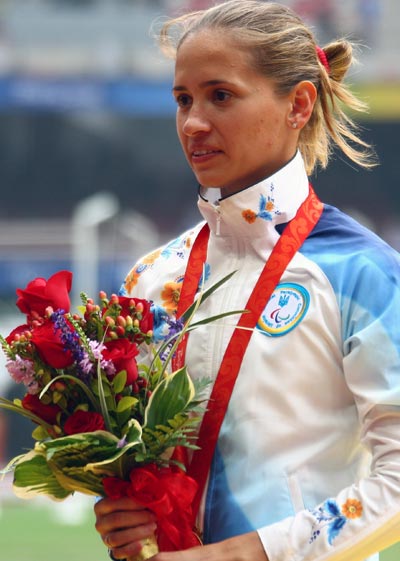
{"type": "Point", "coordinates": [307, 460]}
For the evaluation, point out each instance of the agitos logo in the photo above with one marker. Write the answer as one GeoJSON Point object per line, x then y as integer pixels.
{"type": "Point", "coordinates": [286, 308]}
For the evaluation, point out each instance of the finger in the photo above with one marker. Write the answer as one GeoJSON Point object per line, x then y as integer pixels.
{"type": "Point", "coordinates": [104, 506]}
{"type": "Point", "coordinates": [122, 520]}
{"type": "Point", "coordinates": [122, 538]}
{"type": "Point", "coordinates": [127, 543]}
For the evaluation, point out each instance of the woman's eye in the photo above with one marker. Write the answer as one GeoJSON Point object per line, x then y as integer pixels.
{"type": "Point", "coordinates": [221, 95]}
{"type": "Point", "coordinates": [183, 100]}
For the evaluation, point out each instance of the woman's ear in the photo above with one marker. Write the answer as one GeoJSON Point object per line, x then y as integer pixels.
{"type": "Point", "coordinates": [303, 97]}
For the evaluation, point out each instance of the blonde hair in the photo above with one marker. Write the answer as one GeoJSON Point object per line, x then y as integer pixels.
{"type": "Point", "coordinates": [284, 49]}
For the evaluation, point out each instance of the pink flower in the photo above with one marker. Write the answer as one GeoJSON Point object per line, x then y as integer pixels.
{"type": "Point", "coordinates": [21, 370]}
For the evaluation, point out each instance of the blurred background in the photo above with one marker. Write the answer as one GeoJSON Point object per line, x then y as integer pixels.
{"type": "Point", "coordinates": [92, 175]}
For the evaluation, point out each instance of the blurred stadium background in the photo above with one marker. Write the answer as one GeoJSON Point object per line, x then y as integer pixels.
{"type": "Point", "coordinates": [92, 175]}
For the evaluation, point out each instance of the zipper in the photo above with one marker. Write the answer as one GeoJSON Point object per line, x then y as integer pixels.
{"type": "Point", "coordinates": [226, 302]}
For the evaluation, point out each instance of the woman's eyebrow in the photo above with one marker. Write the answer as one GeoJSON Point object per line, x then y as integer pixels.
{"type": "Point", "coordinates": [205, 84]}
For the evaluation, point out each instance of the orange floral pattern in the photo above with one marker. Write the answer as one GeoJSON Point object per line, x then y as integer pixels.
{"type": "Point", "coordinates": [352, 508]}
{"type": "Point", "coordinates": [151, 257]}
{"type": "Point", "coordinates": [249, 215]}
{"type": "Point", "coordinates": [131, 280]}
{"type": "Point", "coordinates": [170, 296]}
{"type": "Point", "coordinates": [266, 208]}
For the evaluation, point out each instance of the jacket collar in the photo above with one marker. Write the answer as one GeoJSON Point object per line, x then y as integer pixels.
{"type": "Point", "coordinates": [255, 211]}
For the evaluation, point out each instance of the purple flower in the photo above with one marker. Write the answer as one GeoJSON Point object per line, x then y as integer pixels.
{"type": "Point", "coordinates": [175, 327]}
{"type": "Point", "coordinates": [69, 338]}
{"type": "Point", "coordinates": [87, 365]}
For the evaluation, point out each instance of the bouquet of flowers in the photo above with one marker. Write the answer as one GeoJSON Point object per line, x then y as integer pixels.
{"type": "Point", "coordinates": [108, 412]}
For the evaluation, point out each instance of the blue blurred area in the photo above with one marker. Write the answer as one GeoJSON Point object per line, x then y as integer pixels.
{"type": "Point", "coordinates": [133, 96]}
{"type": "Point", "coordinates": [16, 274]}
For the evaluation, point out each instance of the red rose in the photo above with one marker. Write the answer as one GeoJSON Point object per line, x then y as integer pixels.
{"type": "Point", "coordinates": [146, 323]}
{"type": "Point", "coordinates": [122, 354]}
{"type": "Point", "coordinates": [39, 294]}
{"type": "Point", "coordinates": [49, 346]}
{"type": "Point", "coordinates": [83, 421]}
{"type": "Point", "coordinates": [47, 413]}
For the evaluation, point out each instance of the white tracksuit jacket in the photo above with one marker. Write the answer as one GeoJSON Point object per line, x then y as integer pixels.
{"type": "Point", "coordinates": [309, 451]}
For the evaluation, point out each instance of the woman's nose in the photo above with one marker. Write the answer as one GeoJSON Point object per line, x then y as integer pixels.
{"type": "Point", "coordinates": [195, 122]}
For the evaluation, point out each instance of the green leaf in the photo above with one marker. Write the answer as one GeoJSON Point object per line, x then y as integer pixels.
{"type": "Point", "coordinates": [125, 403]}
{"type": "Point", "coordinates": [134, 432]}
{"type": "Point", "coordinates": [40, 433]}
{"type": "Point", "coordinates": [215, 318]}
{"type": "Point", "coordinates": [33, 476]}
{"type": "Point", "coordinates": [79, 462]}
{"type": "Point", "coordinates": [171, 397]}
{"type": "Point", "coordinates": [102, 398]}
{"type": "Point", "coordinates": [119, 382]}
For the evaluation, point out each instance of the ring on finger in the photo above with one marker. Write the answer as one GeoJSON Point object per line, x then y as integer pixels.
{"type": "Point", "coordinates": [107, 540]}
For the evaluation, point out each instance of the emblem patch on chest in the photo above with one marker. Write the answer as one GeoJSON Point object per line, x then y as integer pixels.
{"type": "Point", "coordinates": [286, 308]}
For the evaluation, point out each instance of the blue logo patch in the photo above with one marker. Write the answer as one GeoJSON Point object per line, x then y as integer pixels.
{"type": "Point", "coordinates": [286, 308]}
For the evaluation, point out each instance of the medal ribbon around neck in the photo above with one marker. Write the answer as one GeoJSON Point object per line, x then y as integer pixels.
{"type": "Point", "coordinates": [292, 238]}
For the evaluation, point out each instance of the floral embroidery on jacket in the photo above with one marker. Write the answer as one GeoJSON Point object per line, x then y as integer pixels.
{"type": "Point", "coordinates": [266, 208]}
{"type": "Point", "coordinates": [170, 295]}
{"type": "Point", "coordinates": [133, 276]}
{"type": "Point", "coordinates": [204, 276]}
{"type": "Point", "coordinates": [151, 257]}
{"type": "Point", "coordinates": [177, 247]}
{"type": "Point", "coordinates": [330, 516]}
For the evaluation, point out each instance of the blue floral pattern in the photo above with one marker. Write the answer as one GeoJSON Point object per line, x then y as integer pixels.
{"type": "Point", "coordinates": [333, 518]}
{"type": "Point", "coordinates": [266, 208]}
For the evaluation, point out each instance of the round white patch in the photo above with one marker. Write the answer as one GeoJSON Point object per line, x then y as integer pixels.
{"type": "Point", "coordinates": [286, 308]}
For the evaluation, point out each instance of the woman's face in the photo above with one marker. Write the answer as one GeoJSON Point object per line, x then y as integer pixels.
{"type": "Point", "coordinates": [234, 128]}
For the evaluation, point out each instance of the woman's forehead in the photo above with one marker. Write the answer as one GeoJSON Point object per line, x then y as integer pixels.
{"type": "Point", "coordinates": [208, 50]}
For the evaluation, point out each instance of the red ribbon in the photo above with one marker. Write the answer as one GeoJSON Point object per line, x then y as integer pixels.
{"type": "Point", "coordinates": [169, 493]}
{"type": "Point", "coordinates": [296, 231]}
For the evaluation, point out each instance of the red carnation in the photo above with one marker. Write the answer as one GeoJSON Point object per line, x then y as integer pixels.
{"type": "Point", "coordinates": [83, 421]}
{"type": "Point", "coordinates": [39, 294]}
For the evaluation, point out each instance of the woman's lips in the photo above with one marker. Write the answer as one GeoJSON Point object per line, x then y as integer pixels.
{"type": "Point", "coordinates": [204, 155]}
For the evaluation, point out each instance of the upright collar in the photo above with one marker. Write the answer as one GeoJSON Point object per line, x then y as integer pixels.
{"type": "Point", "coordinates": [256, 211]}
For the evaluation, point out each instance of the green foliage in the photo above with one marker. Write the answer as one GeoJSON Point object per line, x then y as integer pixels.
{"type": "Point", "coordinates": [171, 397]}
{"type": "Point", "coordinates": [34, 476]}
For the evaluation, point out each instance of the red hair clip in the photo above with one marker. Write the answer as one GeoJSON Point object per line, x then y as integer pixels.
{"type": "Point", "coordinates": [323, 58]}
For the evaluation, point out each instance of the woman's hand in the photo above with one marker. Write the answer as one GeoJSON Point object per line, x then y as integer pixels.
{"type": "Point", "coordinates": [247, 547]}
{"type": "Point", "coordinates": [122, 524]}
